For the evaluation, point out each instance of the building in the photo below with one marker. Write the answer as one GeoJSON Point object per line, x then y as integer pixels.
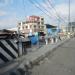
{"type": "Point", "coordinates": [71, 27]}
{"type": "Point", "coordinates": [7, 34]}
{"type": "Point", "coordinates": [31, 25]}
{"type": "Point", "coordinates": [63, 28]}
{"type": "Point", "coordinates": [50, 28]}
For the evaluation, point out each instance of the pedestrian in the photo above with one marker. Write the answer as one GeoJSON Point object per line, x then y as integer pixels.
{"type": "Point", "coordinates": [59, 38]}
{"type": "Point", "coordinates": [54, 39]}
{"type": "Point", "coordinates": [46, 40]}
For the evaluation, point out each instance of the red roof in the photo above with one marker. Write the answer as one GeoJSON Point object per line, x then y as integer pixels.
{"type": "Point", "coordinates": [34, 16]}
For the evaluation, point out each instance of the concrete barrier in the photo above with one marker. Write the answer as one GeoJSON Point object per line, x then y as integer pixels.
{"type": "Point", "coordinates": [34, 57]}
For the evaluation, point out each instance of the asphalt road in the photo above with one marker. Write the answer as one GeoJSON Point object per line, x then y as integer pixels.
{"type": "Point", "coordinates": [60, 62]}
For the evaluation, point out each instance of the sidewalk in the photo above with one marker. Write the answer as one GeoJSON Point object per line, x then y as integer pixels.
{"type": "Point", "coordinates": [43, 52]}
{"type": "Point", "coordinates": [32, 57]}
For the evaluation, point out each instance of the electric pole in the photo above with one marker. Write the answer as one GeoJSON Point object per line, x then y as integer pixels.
{"type": "Point", "coordinates": [69, 23]}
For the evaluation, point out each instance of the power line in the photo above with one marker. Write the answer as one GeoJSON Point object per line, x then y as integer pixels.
{"type": "Point", "coordinates": [69, 12]}
{"type": "Point", "coordinates": [23, 2]}
{"type": "Point", "coordinates": [40, 8]}
{"type": "Point", "coordinates": [43, 7]}
{"type": "Point", "coordinates": [47, 4]}
{"type": "Point", "coordinates": [57, 17]}
{"type": "Point", "coordinates": [49, 15]}
{"type": "Point", "coordinates": [48, 11]}
{"type": "Point", "coordinates": [55, 10]}
{"type": "Point", "coordinates": [69, 20]}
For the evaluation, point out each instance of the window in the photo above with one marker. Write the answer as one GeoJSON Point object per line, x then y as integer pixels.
{"type": "Point", "coordinates": [23, 22]}
{"type": "Point", "coordinates": [39, 26]}
{"type": "Point", "coordinates": [18, 27]}
{"type": "Point", "coordinates": [19, 23]}
{"type": "Point", "coordinates": [30, 26]}
{"type": "Point", "coordinates": [34, 26]}
{"type": "Point", "coordinates": [42, 23]}
{"type": "Point", "coordinates": [23, 27]}
{"type": "Point", "coordinates": [38, 22]}
{"type": "Point", "coordinates": [42, 18]}
{"type": "Point", "coordinates": [42, 26]}
{"type": "Point", "coordinates": [26, 27]}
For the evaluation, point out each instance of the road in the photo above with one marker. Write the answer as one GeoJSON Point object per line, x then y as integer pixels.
{"type": "Point", "coordinates": [60, 62]}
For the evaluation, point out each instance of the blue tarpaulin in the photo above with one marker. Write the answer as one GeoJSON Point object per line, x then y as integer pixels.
{"type": "Point", "coordinates": [33, 40]}
{"type": "Point", "coordinates": [49, 30]}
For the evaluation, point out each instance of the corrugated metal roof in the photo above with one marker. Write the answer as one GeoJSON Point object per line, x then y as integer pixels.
{"type": "Point", "coordinates": [50, 26]}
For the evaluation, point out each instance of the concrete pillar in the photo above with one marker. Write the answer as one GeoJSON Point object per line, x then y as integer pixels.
{"type": "Point", "coordinates": [20, 47]}
{"type": "Point", "coordinates": [52, 40]}
{"type": "Point", "coordinates": [56, 39]}
{"type": "Point", "coordinates": [46, 41]}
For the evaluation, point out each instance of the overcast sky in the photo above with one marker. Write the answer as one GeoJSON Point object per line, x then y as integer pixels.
{"type": "Point", "coordinates": [12, 11]}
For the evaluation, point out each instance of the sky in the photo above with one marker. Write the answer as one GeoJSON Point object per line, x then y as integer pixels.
{"type": "Point", "coordinates": [14, 11]}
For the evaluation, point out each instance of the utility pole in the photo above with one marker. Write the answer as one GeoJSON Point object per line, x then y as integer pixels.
{"type": "Point", "coordinates": [19, 43]}
{"type": "Point", "coordinates": [58, 23]}
{"type": "Point", "coordinates": [58, 26]}
{"type": "Point", "coordinates": [69, 23]}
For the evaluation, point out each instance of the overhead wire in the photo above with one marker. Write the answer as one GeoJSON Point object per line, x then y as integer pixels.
{"type": "Point", "coordinates": [50, 5]}
{"type": "Point", "coordinates": [55, 10]}
{"type": "Point", "coordinates": [46, 9]}
{"type": "Point", "coordinates": [43, 7]}
{"type": "Point", "coordinates": [23, 2]}
{"type": "Point", "coordinates": [50, 8]}
{"type": "Point", "coordinates": [38, 6]}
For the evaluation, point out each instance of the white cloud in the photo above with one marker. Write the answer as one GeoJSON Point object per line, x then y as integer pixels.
{"type": "Point", "coordinates": [46, 9]}
{"type": "Point", "coordinates": [8, 22]}
{"type": "Point", "coordinates": [2, 13]}
{"type": "Point", "coordinates": [9, 1]}
{"type": "Point", "coordinates": [5, 2]}
{"type": "Point", "coordinates": [62, 10]}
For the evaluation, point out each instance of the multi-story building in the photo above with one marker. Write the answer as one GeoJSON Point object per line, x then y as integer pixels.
{"type": "Point", "coordinates": [32, 24]}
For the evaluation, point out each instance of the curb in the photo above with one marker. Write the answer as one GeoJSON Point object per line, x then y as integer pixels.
{"type": "Point", "coordinates": [35, 61]}
{"type": "Point", "coordinates": [31, 62]}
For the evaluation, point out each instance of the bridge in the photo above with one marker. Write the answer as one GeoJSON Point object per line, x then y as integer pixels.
{"type": "Point", "coordinates": [59, 62]}
{"type": "Point", "coordinates": [54, 59]}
